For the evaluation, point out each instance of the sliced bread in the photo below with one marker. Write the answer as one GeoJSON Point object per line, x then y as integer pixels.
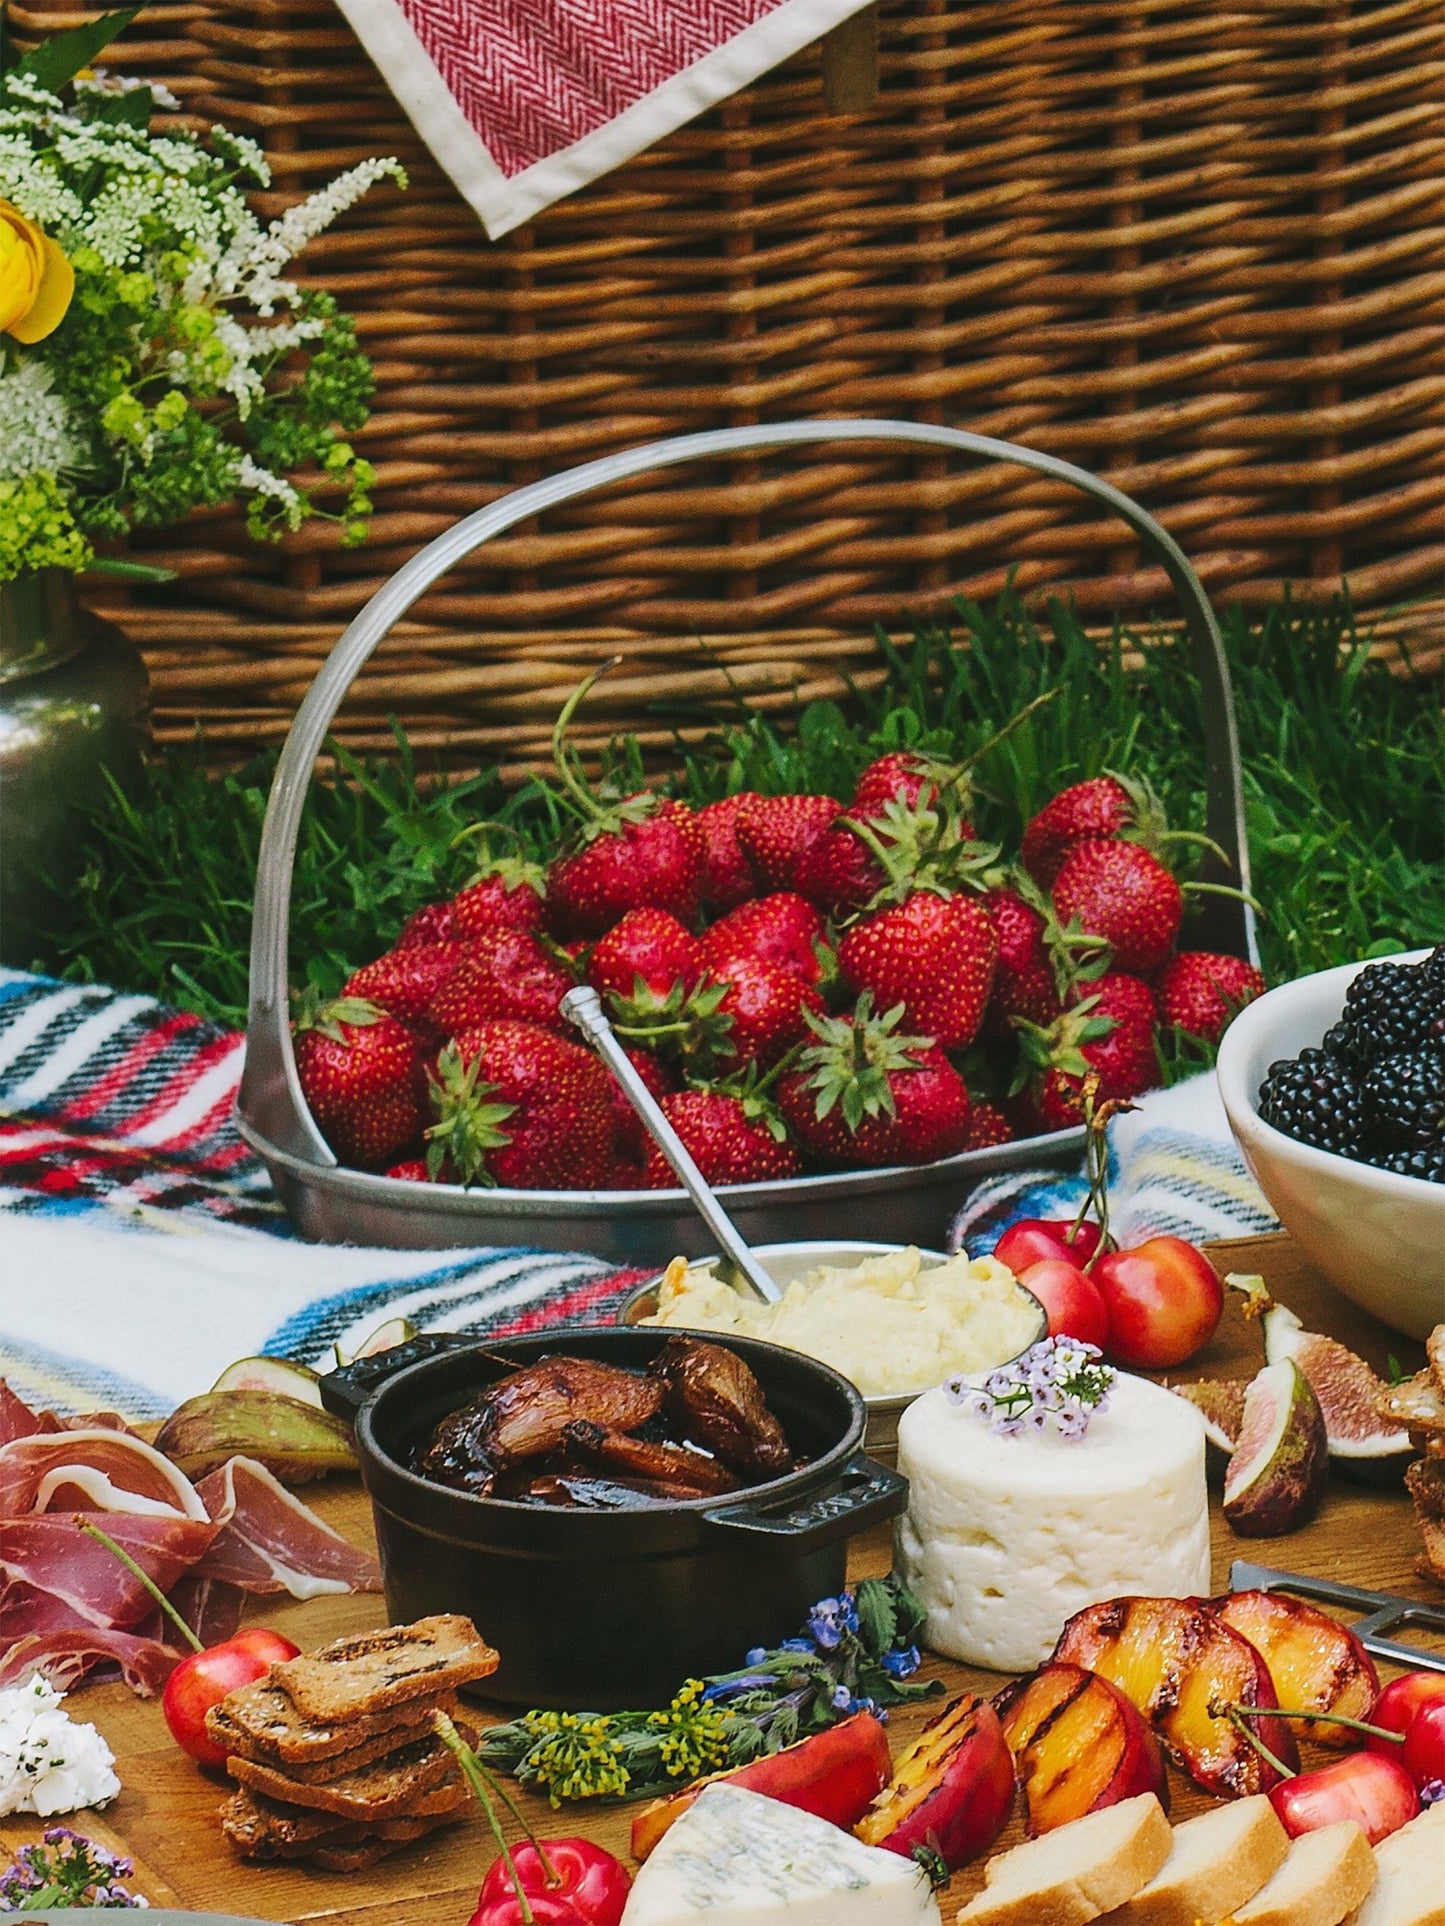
{"type": "Point", "coordinates": [1217, 1861]}
{"type": "Point", "coordinates": [1409, 1887]}
{"type": "Point", "coordinates": [1325, 1876]}
{"type": "Point", "coordinates": [377, 1791]}
{"type": "Point", "coordinates": [1077, 1873]}
{"type": "Point", "coordinates": [371, 1672]}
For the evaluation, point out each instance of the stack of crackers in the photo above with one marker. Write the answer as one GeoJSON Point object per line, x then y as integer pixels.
{"type": "Point", "coordinates": [334, 1754]}
{"type": "Point", "coordinates": [1419, 1406]}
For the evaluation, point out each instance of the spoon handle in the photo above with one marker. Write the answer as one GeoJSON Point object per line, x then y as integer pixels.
{"type": "Point", "coordinates": [583, 1007]}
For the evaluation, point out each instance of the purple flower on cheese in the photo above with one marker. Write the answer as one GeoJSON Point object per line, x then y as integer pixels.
{"type": "Point", "coordinates": [1058, 1383]}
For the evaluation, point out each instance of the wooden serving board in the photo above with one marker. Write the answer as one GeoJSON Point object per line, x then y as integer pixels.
{"type": "Point", "coordinates": [165, 1816]}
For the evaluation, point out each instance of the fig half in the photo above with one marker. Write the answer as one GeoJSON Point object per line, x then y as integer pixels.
{"type": "Point", "coordinates": [1276, 1476]}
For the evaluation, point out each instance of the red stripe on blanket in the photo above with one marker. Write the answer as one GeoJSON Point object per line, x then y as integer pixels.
{"type": "Point", "coordinates": [113, 1083]}
{"type": "Point", "coordinates": [176, 1089]}
{"type": "Point", "coordinates": [573, 1306]}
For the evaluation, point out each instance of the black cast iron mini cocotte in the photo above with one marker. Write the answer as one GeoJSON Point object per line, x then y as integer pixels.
{"type": "Point", "coordinates": [607, 1609]}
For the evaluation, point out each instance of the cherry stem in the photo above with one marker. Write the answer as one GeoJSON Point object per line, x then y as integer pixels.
{"type": "Point", "coordinates": [1327, 1718]}
{"type": "Point", "coordinates": [136, 1571]}
{"type": "Point", "coordinates": [1237, 1716]}
{"type": "Point", "coordinates": [483, 1785]}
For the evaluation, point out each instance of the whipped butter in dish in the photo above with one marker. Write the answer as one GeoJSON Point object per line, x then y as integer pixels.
{"type": "Point", "coordinates": [1009, 1532]}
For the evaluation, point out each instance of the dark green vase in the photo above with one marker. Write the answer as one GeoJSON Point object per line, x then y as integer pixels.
{"type": "Point", "coordinates": [74, 697]}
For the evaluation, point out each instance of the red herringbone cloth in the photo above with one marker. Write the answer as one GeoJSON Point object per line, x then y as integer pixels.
{"type": "Point", "coordinates": [523, 101]}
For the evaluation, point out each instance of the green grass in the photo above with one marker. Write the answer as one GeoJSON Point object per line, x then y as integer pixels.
{"type": "Point", "coordinates": [1344, 775]}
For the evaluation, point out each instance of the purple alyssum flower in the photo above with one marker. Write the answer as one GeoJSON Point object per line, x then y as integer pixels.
{"type": "Point", "coordinates": [1058, 1383]}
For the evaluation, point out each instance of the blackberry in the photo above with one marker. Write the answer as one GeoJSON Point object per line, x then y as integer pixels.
{"type": "Point", "coordinates": [1434, 966]}
{"type": "Point", "coordinates": [1389, 1007]}
{"type": "Point", "coordinates": [1405, 1096]}
{"type": "Point", "coordinates": [1317, 1099]}
{"type": "Point", "coordinates": [1419, 1160]}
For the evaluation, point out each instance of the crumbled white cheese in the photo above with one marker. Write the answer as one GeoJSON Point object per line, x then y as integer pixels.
{"type": "Point", "coordinates": [48, 1763]}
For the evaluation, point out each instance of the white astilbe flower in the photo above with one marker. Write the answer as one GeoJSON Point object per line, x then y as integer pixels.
{"type": "Point", "coordinates": [260, 481]}
{"type": "Point", "coordinates": [245, 152]}
{"type": "Point", "coordinates": [282, 336]}
{"type": "Point", "coordinates": [255, 272]}
{"type": "Point", "coordinates": [242, 382]}
{"type": "Point", "coordinates": [36, 434]}
{"type": "Point", "coordinates": [22, 86]}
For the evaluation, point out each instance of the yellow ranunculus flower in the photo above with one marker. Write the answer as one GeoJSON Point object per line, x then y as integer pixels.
{"type": "Point", "coordinates": [36, 281]}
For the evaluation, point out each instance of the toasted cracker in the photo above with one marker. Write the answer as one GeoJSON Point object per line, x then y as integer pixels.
{"type": "Point", "coordinates": [260, 1722]}
{"type": "Point", "coordinates": [1425, 1482]}
{"type": "Point", "coordinates": [338, 1765]}
{"type": "Point", "coordinates": [388, 1838]}
{"type": "Point", "coordinates": [374, 1671]}
{"type": "Point", "coordinates": [260, 1828]}
{"type": "Point", "coordinates": [387, 1786]}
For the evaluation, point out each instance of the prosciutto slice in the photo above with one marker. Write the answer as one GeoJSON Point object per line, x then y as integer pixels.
{"type": "Point", "coordinates": [67, 1604]}
{"type": "Point", "coordinates": [269, 1541]}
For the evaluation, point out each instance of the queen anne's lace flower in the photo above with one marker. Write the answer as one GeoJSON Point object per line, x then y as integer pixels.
{"type": "Point", "coordinates": [36, 434]}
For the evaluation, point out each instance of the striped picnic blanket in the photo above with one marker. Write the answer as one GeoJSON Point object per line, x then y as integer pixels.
{"type": "Point", "coordinates": [142, 1250]}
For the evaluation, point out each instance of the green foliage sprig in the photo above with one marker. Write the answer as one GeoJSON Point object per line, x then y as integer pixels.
{"type": "Point", "coordinates": [188, 371]}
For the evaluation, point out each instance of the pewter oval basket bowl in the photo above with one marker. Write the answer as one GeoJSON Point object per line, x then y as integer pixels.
{"type": "Point", "coordinates": [913, 1205]}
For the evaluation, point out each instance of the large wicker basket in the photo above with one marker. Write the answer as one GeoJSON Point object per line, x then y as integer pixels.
{"type": "Point", "coordinates": [1193, 246]}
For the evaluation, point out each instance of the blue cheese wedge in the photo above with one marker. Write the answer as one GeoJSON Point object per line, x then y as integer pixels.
{"type": "Point", "coordinates": [738, 1859]}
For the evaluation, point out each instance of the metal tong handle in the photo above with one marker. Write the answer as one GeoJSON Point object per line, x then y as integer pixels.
{"type": "Point", "coordinates": [583, 1007]}
{"type": "Point", "coordinates": [1384, 1611]}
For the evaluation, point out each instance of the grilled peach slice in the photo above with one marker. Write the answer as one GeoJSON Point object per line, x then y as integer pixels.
{"type": "Point", "coordinates": [1178, 1663]}
{"type": "Point", "coordinates": [952, 1790]}
{"type": "Point", "coordinates": [1315, 1663]}
{"type": "Point", "coordinates": [1078, 1745]}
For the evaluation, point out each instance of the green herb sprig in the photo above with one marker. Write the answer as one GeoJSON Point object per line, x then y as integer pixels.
{"type": "Point", "coordinates": [858, 1653]}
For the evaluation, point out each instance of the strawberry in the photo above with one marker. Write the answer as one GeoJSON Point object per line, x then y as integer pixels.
{"type": "Point", "coordinates": [1024, 983]}
{"type": "Point", "coordinates": [865, 1095]}
{"type": "Point", "coordinates": [1087, 812]}
{"type": "Point", "coordinates": [505, 973]}
{"type": "Point", "coordinates": [775, 832]}
{"type": "Point", "coordinates": [430, 924]}
{"type": "Point", "coordinates": [640, 852]}
{"type": "Point", "coordinates": [628, 1134]}
{"type": "Point", "coordinates": [1120, 892]}
{"type": "Point", "coordinates": [518, 1106]}
{"type": "Point", "coordinates": [781, 929]}
{"type": "Point", "coordinates": [1108, 1029]}
{"type": "Point", "coordinates": [727, 875]}
{"type": "Point", "coordinates": [506, 893]}
{"type": "Point", "coordinates": [766, 1010]}
{"type": "Point", "coordinates": [647, 945]}
{"type": "Point", "coordinates": [1200, 992]}
{"type": "Point", "coordinates": [732, 1139]}
{"type": "Point", "coordinates": [987, 1127]}
{"type": "Point", "coordinates": [934, 955]}
{"type": "Point", "coordinates": [404, 981]}
{"type": "Point", "coordinates": [411, 1170]}
{"type": "Point", "coordinates": [838, 872]}
{"type": "Point", "coordinates": [917, 780]}
{"type": "Point", "coordinates": [897, 846]}
{"type": "Point", "coordinates": [360, 1073]}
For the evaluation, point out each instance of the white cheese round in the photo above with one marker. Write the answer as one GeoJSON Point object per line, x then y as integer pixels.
{"type": "Point", "coordinates": [1006, 1537]}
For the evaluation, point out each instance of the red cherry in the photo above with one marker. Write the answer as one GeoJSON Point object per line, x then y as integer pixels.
{"type": "Point", "coordinates": [205, 1678]}
{"type": "Point", "coordinates": [1071, 1300]}
{"type": "Point", "coordinates": [1034, 1240]}
{"type": "Point", "coordinates": [1164, 1299]}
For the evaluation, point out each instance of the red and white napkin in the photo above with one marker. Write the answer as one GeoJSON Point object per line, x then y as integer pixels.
{"type": "Point", "coordinates": [523, 101]}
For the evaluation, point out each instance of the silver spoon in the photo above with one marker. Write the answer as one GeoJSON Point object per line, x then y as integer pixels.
{"type": "Point", "coordinates": [583, 1007]}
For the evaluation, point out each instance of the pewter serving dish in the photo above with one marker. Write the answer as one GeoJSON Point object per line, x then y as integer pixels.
{"type": "Point", "coordinates": [787, 1264]}
{"type": "Point", "coordinates": [913, 1205]}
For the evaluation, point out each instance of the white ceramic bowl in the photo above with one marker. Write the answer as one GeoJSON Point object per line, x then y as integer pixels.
{"type": "Point", "coordinates": [1378, 1237]}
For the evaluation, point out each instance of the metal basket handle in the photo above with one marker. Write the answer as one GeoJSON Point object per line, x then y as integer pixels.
{"type": "Point", "coordinates": [270, 1095]}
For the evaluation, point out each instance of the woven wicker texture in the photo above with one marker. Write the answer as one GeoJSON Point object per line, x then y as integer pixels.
{"type": "Point", "coordinates": [1193, 245]}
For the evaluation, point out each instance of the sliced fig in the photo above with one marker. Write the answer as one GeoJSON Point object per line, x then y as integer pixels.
{"type": "Point", "coordinates": [1315, 1663]}
{"type": "Point", "coordinates": [1363, 1442]}
{"type": "Point", "coordinates": [1276, 1475]}
{"type": "Point", "coordinates": [293, 1440]}
{"type": "Point", "coordinates": [1178, 1663]}
{"type": "Point", "coordinates": [396, 1330]}
{"type": "Point", "coordinates": [280, 1375]}
{"type": "Point", "coordinates": [1220, 1402]}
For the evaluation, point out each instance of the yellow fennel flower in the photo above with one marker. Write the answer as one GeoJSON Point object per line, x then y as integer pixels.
{"type": "Point", "coordinates": [36, 281]}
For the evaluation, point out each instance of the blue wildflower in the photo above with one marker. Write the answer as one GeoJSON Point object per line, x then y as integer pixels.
{"type": "Point", "coordinates": [901, 1664]}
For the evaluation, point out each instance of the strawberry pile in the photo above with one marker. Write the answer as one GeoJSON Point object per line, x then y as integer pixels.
{"type": "Point", "coordinates": [805, 984]}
